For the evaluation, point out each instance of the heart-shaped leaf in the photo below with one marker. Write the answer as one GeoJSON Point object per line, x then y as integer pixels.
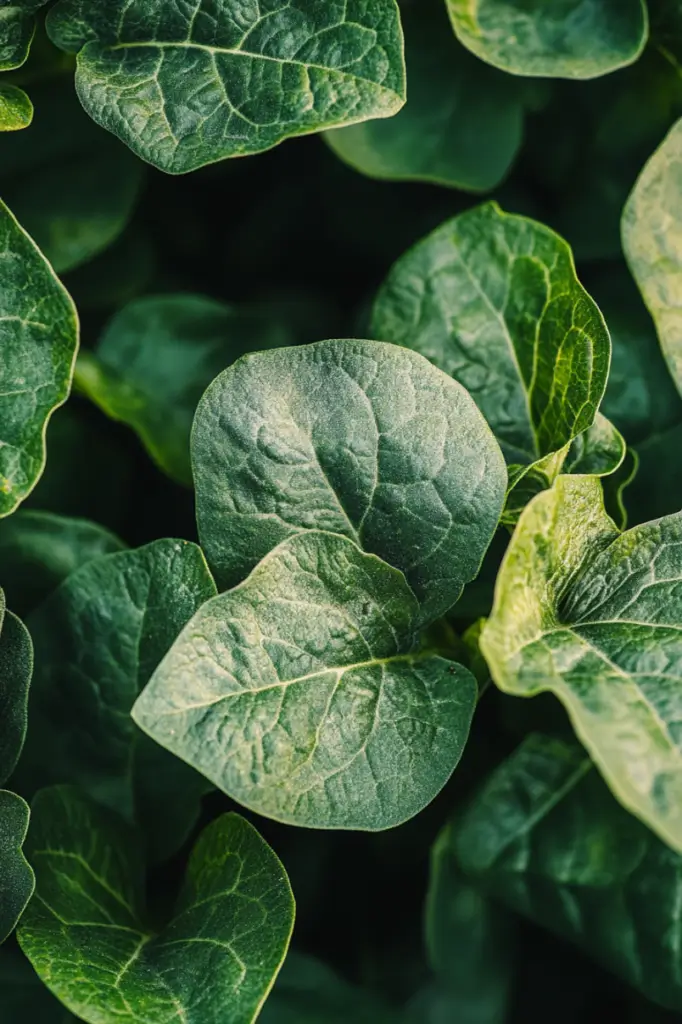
{"type": "Point", "coordinates": [84, 931]}
{"type": "Point", "coordinates": [296, 692]}
{"type": "Point", "coordinates": [573, 39]}
{"type": "Point", "coordinates": [98, 637]}
{"type": "Point", "coordinates": [595, 617]}
{"type": "Point", "coordinates": [187, 85]}
{"type": "Point", "coordinates": [356, 437]}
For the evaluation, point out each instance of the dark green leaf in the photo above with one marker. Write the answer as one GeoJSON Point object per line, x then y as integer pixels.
{"type": "Point", "coordinates": [566, 39]}
{"type": "Point", "coordinates": [157, 357]}
{"type": "Point", "coordinates": [594, 616]}
{"type": "Point", "coordinates": [309, 992]}
{"type": "Point", "coordinates": [188, 85]}
{"type": "Point", "coordinates": [85, 935]}
{"type": "Point", "coordinates": [462, 123]}
{"type": "Point", "coordinates": [545, 835]}
{"type": "Point", "coordinates": [98, 639]}
{"type": "Point", "coordinates": [16, 876]}
{"type": "Point", "coordinates": [38, 550]}
{"type": "Point", "coordinates": [39, 338]}
{"type": "Point", "coordinates": [16, 667]}
{"type": "Point", "coordinates": [17, 25]}
{"type": "Point", "coordinates": [296, 694]}
{"type": "Point", "coordinates": [363, 439]}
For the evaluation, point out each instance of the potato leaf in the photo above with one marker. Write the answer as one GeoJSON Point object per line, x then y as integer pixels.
{"type": "Point", "coordinates": [298, 695]}
{"type": "Point", "coordinates": [157, 357]}
{"type": "Point", "coordinates": [187, 85]}
{"type": "Point", "coordinates": [16, 109]}
{"type": "Point", "coordinates": [652, 240]}
{"type": "Point", "coordinates": [594, 616]}
{"type": "Point", "coordinates": [39, 339]}
{"type": "Point", "coordinates": [462, 124]}
{"type": "Point", "coordinates": [98, 639]}
{"type": "Point", "coordinates": [85, 935]}
{"type": "Point", "coordinates": [359, 438]}
{"type": "Point", "coordinates": [545, 836]}
{"type": "Point", "coordinates": [570, 39]}
{"type": "Point", "coordinates": [38, 550]}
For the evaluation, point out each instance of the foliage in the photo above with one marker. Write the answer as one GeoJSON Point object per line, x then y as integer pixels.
{"type": "Point", "coordinates": [269, 596]}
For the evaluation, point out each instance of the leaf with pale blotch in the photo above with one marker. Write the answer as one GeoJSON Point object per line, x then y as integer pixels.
{"type": "Point", "coordinates": [16, 109]}
{"type": "Point", "coordinates": [39, 339]}
{"type": "Point", "coordinates": [573, 39]}
{"type": "Point", "coordinates": [545, 836]}
{"type": "Point", "coordinates": [356, 437]}
{"type": "Point", "coordinates": [462, 125]}
{"type": "Point", "coordinates": [298, 694]}
{"type": "Point", "coordinates": [213, 963]}
{"type": "Point", "coordinates": [17, 27]}
{"type": "Point", "coordinates": [16, 876]}
{"type": "Point", "coordinates": [652, 240]}
{"type": "Point", "coordinates": [595, 617]}
{"type": "Point", "coordinates": [39, 549]}
{"type": "Point", "coordinates": [157, 357]}
{"type": "Point", "coordinates": [98, 638]}
{"type": "Point", "coordinates": [187, 85]}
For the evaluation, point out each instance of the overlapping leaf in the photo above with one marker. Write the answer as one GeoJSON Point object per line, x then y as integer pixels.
{"type": "Point", "coordinates": [297, 692]}
{"type": "Point", "coordinates": [461, 126]}
{"type": "Point", "coordinates": [39, 338]}
{"type": "Point", "coordinates": [493, 300]}
{"type": "Point", "coordinates": [187, 85]}
{"type": "Point", "coordinates": [17, 26]}
{"type": "Point", "coordinates": [157, 357]}
{"type": "Point", "coordinates": [572, 39]}
{"type": "Point", "coordinates": [85, 935]}
{"type": "Point", "coordinates": [356, 437]}
{"type": "Point", "coordinates": [98, 638]}
{"type": "Point", "coordinates": [545, 836]}
{"type": "Point", "coordinates": [594, 616]}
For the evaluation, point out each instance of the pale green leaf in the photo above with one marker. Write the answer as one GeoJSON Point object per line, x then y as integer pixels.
{"type": "Point", "coordinates": [594, 616]}
{"type": "Point", "coordinates": [545, 836]}
{"type": "Point", "coordinates": [39, 339]}
{"type": "Point", "coordinates": [560, 39]}
{"type": "Point", "coordinates": [16, 877]}
{"type": "Point", "coordinates": [16, 109]}
{"type": "Point", "coordinates": [39, 549]}
{"type": "Point", "coordinates": [157, 357]}
{"type": "Point", "coordinates": [297, 693]}
{"type": "Point", "coordinates": [98, 638]}
{"type": "Point", "coordinates": [652, 240]}
{"type": "Point", "coordinates": [462, 124]}
{"type": "Point", "coordinates": [493, 300]}
{"type": "Point", "coordinates": [356, 437]}
{"type": "Point", "coordinates": [187, 85]}
{"type": "Point", "coordinates": [215, 960]}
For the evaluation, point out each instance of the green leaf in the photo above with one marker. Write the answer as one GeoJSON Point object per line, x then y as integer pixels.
{"type": "Point", "coordinates": [98, 638]}
{"type": "Point", "coordinates": [359, 438]}
{"type": "Point", "coordinates": [39, 339]}
{"type": "Point", "coordinates": [17, 26]}
{"type": "Point", "coordinates": [297, 693]}
{"type": "Point", "coordinates": [570, 39]}
{"type": "Point", "coordinates": [545, 836]}
{"type": "Point", "coordinates": [157, 357]}
{"type": "Point", "coordinates": [493, 300]}
{"type": "Point", "coordinates": [16, 667]}
{"type": "Point", "coordinates": [462, 124]}
{"type": "Point", "coordinates": [652, 234]}
{"type": "Point", "coordinates": [309, 992]}
{"type": "Point", "coordinates": [38, 550]}
{"type": "Point", "coordinates": [188, 85]}
{"type": "Point", "coordinates": [85, 935]}
{"type": "Point", "coordinates": [16, 876]}
{"type": "Point", "coordinates": [16, 109]}
{"type": "Point", "coordinates": [594, 617]}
